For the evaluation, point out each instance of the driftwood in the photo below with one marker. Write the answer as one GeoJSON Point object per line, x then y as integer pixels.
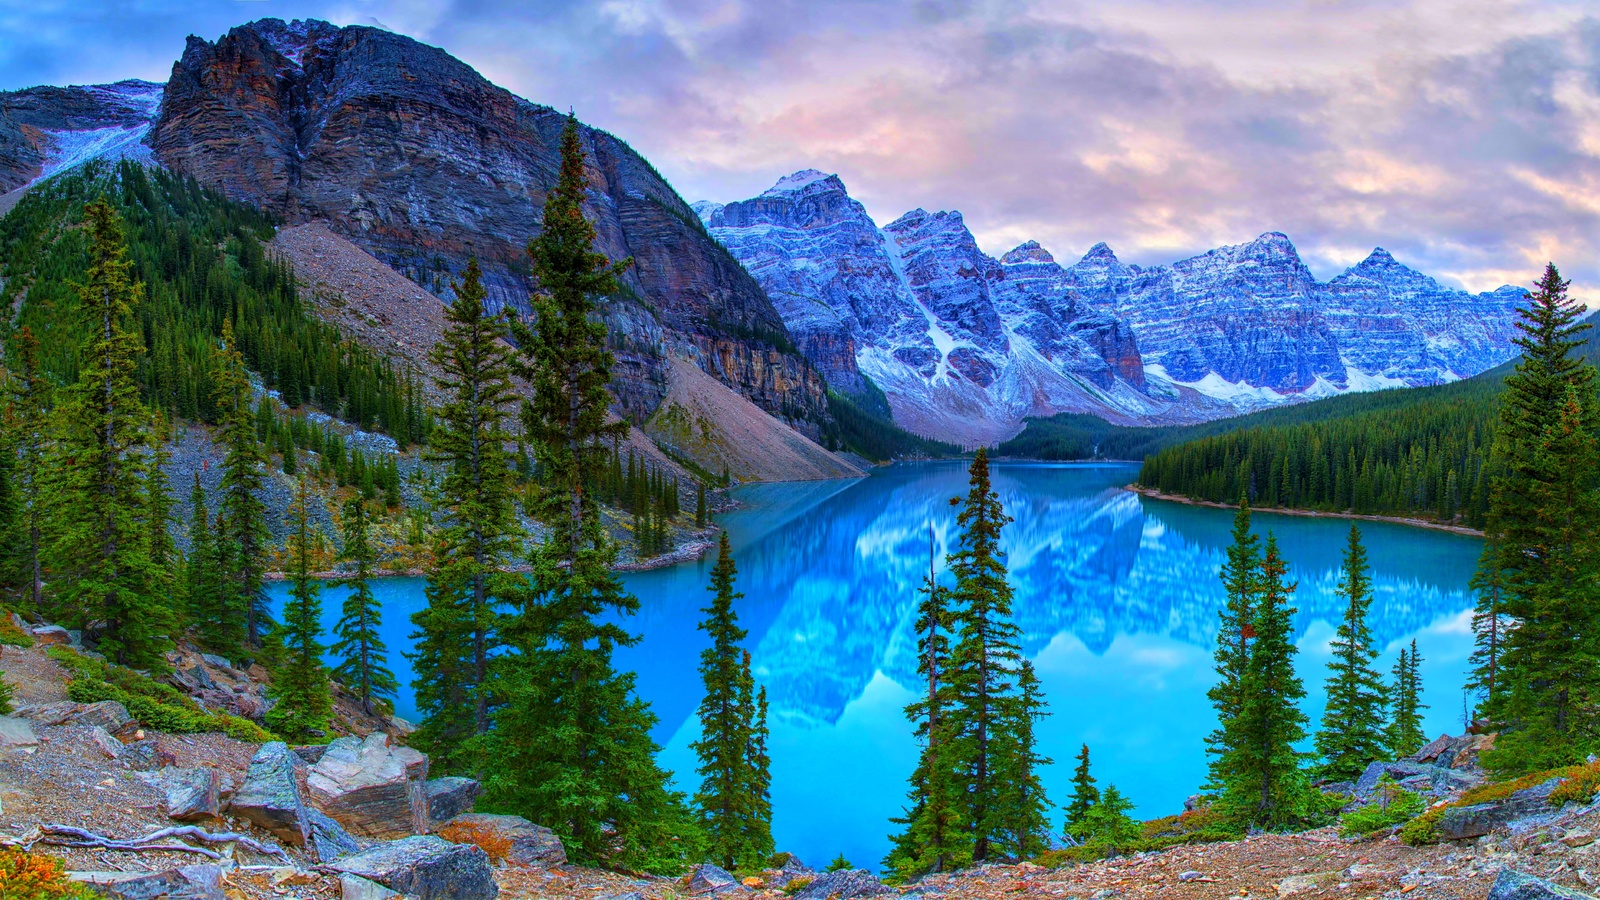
{"type": "Point", "coordinates": [70, 836]}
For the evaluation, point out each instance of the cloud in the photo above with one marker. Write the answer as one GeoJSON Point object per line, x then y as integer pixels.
{"type": "Point", "coordinates": [1463, 136]}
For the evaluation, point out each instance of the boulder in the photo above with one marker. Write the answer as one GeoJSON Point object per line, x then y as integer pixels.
{"type": "Point", "coordinates": [220, 662]}
{"type": "Point", "coordinates": [843, 885]}
{"type": "Point", "coordinates": [193, 795]}
{"type": "Point", "coordinates": [52, 636]}
{"type": "Point", "coordinates": [202, 882]}
{"type": "Point", "coordinates": [108, 714]}
{"type": "Point", "coordinates": [427, 867]}
{"type": "Point", "coordinates": [311, 754]}
{"type": "Point", "coordinates": [1509, 885]}
{"type": "Point", "coordinates": [354, 887]}
{"type": "Point", "coordinates": [511, 839]}
{"type": "Point", "coordinates": [707, 879]}
{"type": "Point", "coordinates": [793, 868]}
{"type": "Point", "coordinates": [328, 839]}
{"type": "Point", "coordinates": [16, 733]}
{"type": "Point", "coordinates": [370, 787]}
{"type": "Point", "coordinates": [104, 742]}
{"type": "Point", "coordinates": [1460, 822]}
{"type": "Point", "coordinates": [450, 796]}
{"type": "Point", "coordinates": [270, 795]}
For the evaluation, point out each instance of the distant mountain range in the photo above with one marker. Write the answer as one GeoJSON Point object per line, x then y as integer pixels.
{"type": "Point", "coordinates": [965, 345]}
{"type": "Point", "coordinates": [422, 162]}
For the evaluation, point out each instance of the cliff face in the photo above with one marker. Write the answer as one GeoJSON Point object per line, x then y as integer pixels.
{"type": "Point", "coordinates": [423, 162]}
{"type": "Point", "coordinates": [47, 129]}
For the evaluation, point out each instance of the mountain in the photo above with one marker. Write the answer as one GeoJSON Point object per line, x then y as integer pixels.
{"type": "Point", "coordinates": [420, 161]}
{"type": "Point", "coordinates": [963, 346]}
{"type": "Point", "coordinates": [968, 346]}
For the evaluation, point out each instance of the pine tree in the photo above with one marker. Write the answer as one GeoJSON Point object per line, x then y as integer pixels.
{"type": "Point", "coordinates": [1084, 793]}
{"type": "Point", "coordinates": [1405, 735]}
{"type": "Point", "coordinates": [984, 663]}
{"type": "Point", "coordinates": [359, 649]}
{"type": "Point", "coordinates": [98, 493]}
{"type": "Point", "coordinates": [1544, 520]}
{"type": "Point", "coordinates": [300, 684]}
{"type": "Point", "coordinates": [1352, 722]}
{"type": "Point", "coordinates": [30, 409]}
{"type": "Point", "coordinates": [470, 441]}
{"type": "Point", "coordinates": [1021, 794]}
{"type": "Point", "coordinates": [1241, 578]}
{"type": "Point", "coordinates": [756, 831]}
{"type": "Point", "coordinates": [1266, 786]}
{"type": "Point", "coordinates": [1107, 824]}
{"type": "Point", "coordinates": [934, 839]}
{"type": "Point", "coordinates": [243, 472]}
{"type": "Point", "coordinates": [726, 749]}
{"type": "Point", "coordinates": [699, 506]}
{"type": "Point", "coordinates": [571, 744]}
{"type": "Point", "coordinates": [1489, 628]}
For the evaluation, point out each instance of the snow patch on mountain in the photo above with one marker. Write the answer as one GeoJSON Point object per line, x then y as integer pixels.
{"type": "Point", "coordinates": [67, 150]}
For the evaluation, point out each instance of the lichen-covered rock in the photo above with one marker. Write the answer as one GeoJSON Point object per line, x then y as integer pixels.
{"type": "Point", "coordinates": [707, 879]}
{"type": "Point", "coordinates": [451, 796]}
{"type": "Point", "coordinates": [107, 714]}
{"type": "Point", "coordinates": [270, 796]}
{"type": "Point", "coordinates": [843, 885]}
{"type": "Point", "coordinates": [426, 867]}
{"type": "Point", "coordinates": [193, 795]}
{"type": "Point", "coordinates": [370, 787]}
{"type": "Point", "coordinates": [1459, 822]}
{"type": "Point", "coordinates": [327, 838]}
{"type": "Point", "coordinates": [202, 882]}
{"type": "Point", "coordinates": [1511, 885]}
{"type": "Point", "coordinates": [512, 839]}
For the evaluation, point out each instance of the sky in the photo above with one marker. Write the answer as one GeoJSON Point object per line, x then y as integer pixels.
{"type": "Point", "coordinates": [1464, 137]}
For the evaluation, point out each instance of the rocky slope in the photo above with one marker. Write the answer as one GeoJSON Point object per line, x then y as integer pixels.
{"type": "Point", "coordinates": [966, 345]}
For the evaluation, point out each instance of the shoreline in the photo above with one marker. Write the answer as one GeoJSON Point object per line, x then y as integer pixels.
{"type": "Point", "coordinates": [1154, 494]}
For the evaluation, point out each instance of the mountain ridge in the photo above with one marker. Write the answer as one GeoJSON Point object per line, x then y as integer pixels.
{"type": "Point", "coordinates": [1237, 328]}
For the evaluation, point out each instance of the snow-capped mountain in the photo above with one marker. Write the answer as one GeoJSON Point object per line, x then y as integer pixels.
{"type": "Point", "coordinates": [965, 346]}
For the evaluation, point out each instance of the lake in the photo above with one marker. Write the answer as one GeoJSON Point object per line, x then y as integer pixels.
{"type": "Point", "coordinates": [1117, 597]}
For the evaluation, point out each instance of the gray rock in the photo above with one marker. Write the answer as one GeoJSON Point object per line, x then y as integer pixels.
{"type": "Point", "coordinates": [328, 839]}
{"type": "Point", "coordinates": [630, 895]}
{"type": "Point", "coordinates": [16, 733]}
{"type": "Point", "coordinates": [354, 887]}
{"type": "Point", "coordinates": [450, 796]}
{"type": "Point", "coordinates": [187, 883]}
{"type": "Point", "coordinates": [270, 795]}
{"type": "Point", "coordinates": [844, 885]}
{"type": "Point", "coordinates": [1509, 885]}
{"type": "Point", "coordinates": [793, 868]}
{"type": "Point", "coordinates": [371, 788]}
{"type": "Point", "coordinates": [311, 754]}
{"type": "Point", "coordinates": [219, 662]}
{"type": "Point", "coordinates": [108, 714]}
{"type": "Point", "coordinates": [1460, 822]}
{"type": "Point", "coordinates": [104, 742]}
{"type": "Point", "coordinates": [52, 635]}
{"type": "Point", "coordinates": [707, 879]}
{"type": "Point", "coordinates": [427, 867]}
{"type": "Point", "coordinates": [193, 795]}
{"type": "Point", "coordinates": [529, 844]}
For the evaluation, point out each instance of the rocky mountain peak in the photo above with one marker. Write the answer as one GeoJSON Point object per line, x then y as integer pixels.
{"type": "Point", "coordinates": [1027, 252]}
{"type": "Point", "coordinates": [805, 181]}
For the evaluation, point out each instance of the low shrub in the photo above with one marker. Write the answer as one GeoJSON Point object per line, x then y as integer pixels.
{"type": "Point", "coordinates": [32, 876]}
{"type": "Point", "coordinates": [1390, 806]}
{"type": "Point", "coordinates": [797, 885]}
{"type": "Point", "coordinates": [11, 635]}
{"type": "Point", "coordinates": [1579, 787]}
{"type": "Point", "coordinates": [157, 706]}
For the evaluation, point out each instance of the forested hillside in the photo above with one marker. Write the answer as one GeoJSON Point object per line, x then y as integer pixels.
{"type": "Point", "coordinates": [201, 261]}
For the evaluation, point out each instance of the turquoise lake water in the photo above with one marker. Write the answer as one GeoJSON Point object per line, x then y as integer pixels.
{"type": "Point", "coordinates": [1116, 595]}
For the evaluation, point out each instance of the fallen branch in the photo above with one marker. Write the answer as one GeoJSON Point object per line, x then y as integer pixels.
{"type": "Point", "coordinates": [84, 838]}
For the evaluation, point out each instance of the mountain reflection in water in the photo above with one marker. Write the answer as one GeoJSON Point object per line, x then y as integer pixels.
{"type": "Point", "coordinates": [1117, 597]}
